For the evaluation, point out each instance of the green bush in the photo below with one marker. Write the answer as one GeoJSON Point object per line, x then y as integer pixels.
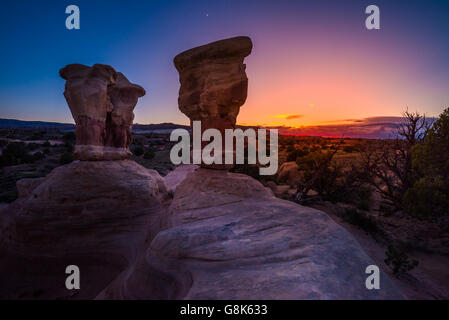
{"type": "Point", "coordinates": [429, 195]}
{"type": "Point", "coordinates": [15, 153]}
{"type": "Point", "coordinates": [319, 173]}
{"type": "Point", "coordinates": [398, 260]}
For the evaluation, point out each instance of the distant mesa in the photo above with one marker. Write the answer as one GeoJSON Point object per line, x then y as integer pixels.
{"type": "Point", "coordinates": [102, 102]}
{"type": "Point", "coordinates": [214, 84]}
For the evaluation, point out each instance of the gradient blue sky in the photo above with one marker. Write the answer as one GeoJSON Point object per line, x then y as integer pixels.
{"type": "Point", "coordinates": [314, 59]}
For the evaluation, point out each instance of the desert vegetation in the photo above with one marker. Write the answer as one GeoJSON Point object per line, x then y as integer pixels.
{"type": "Point", "coordinates": [396, 190]}
{"type": "Point", "coordinates": [33, 153]}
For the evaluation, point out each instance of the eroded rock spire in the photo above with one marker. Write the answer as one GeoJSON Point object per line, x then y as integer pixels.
{"type": "Point", "coordinates": [213, 81]}
{"type": "Point", "coordinates": [101, 101]}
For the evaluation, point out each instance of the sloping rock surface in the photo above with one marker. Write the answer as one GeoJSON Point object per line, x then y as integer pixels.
{"type": "Point", "coordinates": [236, 241]}
{"type": "Point", "coordinates": [223, 236]}
{"type": "Point", "coordinates": [97, 215]}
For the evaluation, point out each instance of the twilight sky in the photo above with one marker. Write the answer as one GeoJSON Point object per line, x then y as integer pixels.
{"type": "Point", "coordinates": [313, 63]}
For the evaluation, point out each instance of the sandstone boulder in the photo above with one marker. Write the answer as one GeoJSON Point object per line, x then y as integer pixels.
{"type": "Point", "coordinates": [97, 215]}
{"type": "Point", "coordinates": [175, 177]}
{"type": "Point", "coordinates": [288, 173]}
{"type": "Point", "coordinates": [214, 84]}
{"type": "Point", "coordinates": [234, 240]}
{"type": "Point", "coordinates": [101, 101]}
{"type": "Point", "coordinates": [27, 185]}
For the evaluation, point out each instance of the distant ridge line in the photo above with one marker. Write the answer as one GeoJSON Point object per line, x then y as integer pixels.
{"type": "Point", "coordinates": [25, 124]}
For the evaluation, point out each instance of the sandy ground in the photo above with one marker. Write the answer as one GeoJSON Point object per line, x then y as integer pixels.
{"type": "Point", "coordinates": [429, 280]}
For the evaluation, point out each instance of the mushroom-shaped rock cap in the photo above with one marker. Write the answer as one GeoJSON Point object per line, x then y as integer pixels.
{"type": "Point", "coordinates": [124, 86]}
{"type": "Point", "coordinates": [101, 101]}
{"type": "Point", "coordinates": [79, 71]}
{"type": "Point", "coordinates": [227, 49]}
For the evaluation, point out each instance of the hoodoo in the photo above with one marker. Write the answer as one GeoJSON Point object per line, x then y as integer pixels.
{"type": "Point", "coordinates": [214, 84]}
{"type": "Point", "coordinates": [102, 102]}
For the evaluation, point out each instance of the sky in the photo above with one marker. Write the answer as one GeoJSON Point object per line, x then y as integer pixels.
{"type": "Point", "coordinates": [314, 64]}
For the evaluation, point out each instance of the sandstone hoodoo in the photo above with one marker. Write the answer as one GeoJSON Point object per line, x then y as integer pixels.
{"type": "Point", "coordinates": [96, 215]}
{"type": "Point", "coordinates": [214, 84]}
{"type": "Point", "coordinates": [102, 102]}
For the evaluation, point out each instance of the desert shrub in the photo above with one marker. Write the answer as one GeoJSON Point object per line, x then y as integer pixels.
{"type": "Point", "coordinates": [363, 204]}
{"type": "Point", "coordinates": [298, 153]}
{"type": "Point", "coordinates": [291, 156]}
{"type": "Point", "coordinates": [320, 173]}
{"type": "Point", "coordinates": [359, 147]}
{"type": "Point", "coordinates": [388, 165]}
{"type": "Point", "coordinates": [360, 219]}
{"type": "Point", "coordinates": [32, 146]}
{"type": "Point", "coordinates": [349, 149]}
{"type": "Point", "coordinates": [36, 136]}
{"type": "Point", "coordinates": [68, 146]}
{"type": "Point", "coordinates": [429, 195]}
{"type": "Point", "coordinates": [290, 148]}
{"type": "Point", "coordinates": [69, 136]}
{"type": "Point", "coordinates": [66, 158]}
{"type": "Point", "coordinates": [398, 260]}
{"type": "Point", "coordinates": [386, 209]}
{"type": "Point", "coordinates": [38, 156]}
{"type": "Point", "coordinates": [361, 196]}
{"type": "Point", "coordinates": [139, 140]}
{"type": "Point", "coordinates": [15, 153]}
{"type": "Point", "coordinates": [149, 154]}
{"type": "Point", "coordinates": [138, 151]}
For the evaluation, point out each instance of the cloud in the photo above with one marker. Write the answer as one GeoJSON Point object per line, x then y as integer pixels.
{"type": "Point", "coordinates": [371, 128]}
{"type": "Point", "coordinates": [287, 116]}
{"type": "Point", "coordinates": [374, 128]}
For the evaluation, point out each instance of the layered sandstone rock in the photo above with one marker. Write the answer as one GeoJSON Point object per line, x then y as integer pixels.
{"type": "Point", "coordinates": [98, 215]}
{"type": "Point", "coordinates": [214, 84]}
{"type": "Point", "coordinates": [237, 241]}
{"type": "Point", "coordinates": [230, 238]}
{"type": "Point", "coordinates": [102, 102]}
{"type": "Point", "coordinates": [288, 173]}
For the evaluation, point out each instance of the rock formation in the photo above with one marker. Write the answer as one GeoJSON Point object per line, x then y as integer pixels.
{"type": "Point", "coordinates": [97, 215]}
{"type": "Point", "coordinates": [102, 102]}
{"type": "Point", "coordinates": [288, 173]}
{"type": "Point", "coordinates": [213, 83]}
{"type": "Point", "coordinates": [222, 235]}
{"type": "Point", "coordinates": [230, 238]}
{"type": "Point", "coordinates": [94, 214]}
